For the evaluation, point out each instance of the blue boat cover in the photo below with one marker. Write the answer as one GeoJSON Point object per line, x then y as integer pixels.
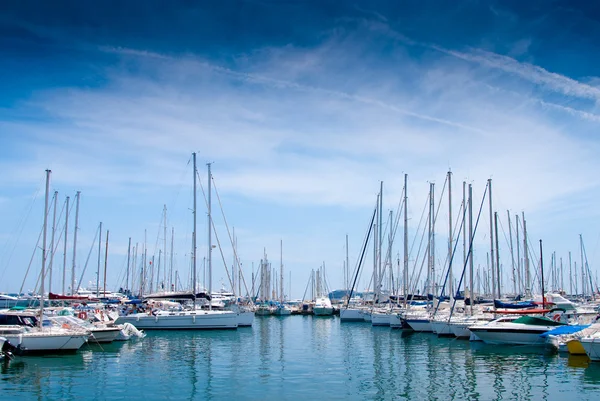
{"type": "Point", "coordinates": [567, 329]}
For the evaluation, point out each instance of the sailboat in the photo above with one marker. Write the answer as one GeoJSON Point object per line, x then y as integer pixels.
{"type": "Point", "coordinates": [281, 309]}
{"type": "Point", "coordinates": [26, 331]}
{"type": "Point", "coordinates": [194, 319]}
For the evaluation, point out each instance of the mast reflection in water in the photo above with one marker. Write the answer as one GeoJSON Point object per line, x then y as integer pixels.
{"type": "Point", "coordinates": [300, 357]}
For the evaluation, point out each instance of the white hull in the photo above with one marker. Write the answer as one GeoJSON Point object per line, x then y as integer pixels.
{"type": "Point", "coordinates": [511, 337]}
{"type": "Point", "coordinates": [460, 330]}
{"type": "Point", "coordinates": [46, 342]}
{"type": "Point", "coordinates": [442, 328]}
{"type": "Point", "coordinates": [423, 325]}
{"type": "Point", "coordinates": [198, 320]}
{"type": "Point", "coordinates": [283, 312]}
{"type": "Point", "coordinates": [107, 335]}
{"type": "Point", "coordinates": [351, 315]}
{"type": "Point", "coordinates": [366, 315]}
{"type": "Point", "coordinates": [395, 321]}
{"type": "Point", "coordinates": [591, 345]}
{"type": "Point", "coordinates": [380, 319]}
{"type": "Point", "coordinates": [245, 319]}
{"type": "Point", "coordinates": [322, 311]}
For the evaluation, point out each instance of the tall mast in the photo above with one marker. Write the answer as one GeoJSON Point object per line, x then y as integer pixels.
{"type": "Point", "coordinates": [99, 260]}
{"type": "Point", "coordinates": [209, 238]}
{"type": "Point", "coordinates": [562, 277]}
{"type": "Point", "coordinates": [432, 245]}
{"type": "Point", "coordinates": [471, 289]}
{"type": "Point", "coordinates": [570, 276]}
{"type": "Point", "coordinates": [347, 266]}
{"type": "Point", "coordinates": [380, 242]}
{"type": "Point", "coordinates": [64, 275]}
{"type": "Point", "coordinates": [165, 251]}
{"type": "Point", "coordinates": [450, 238]}
{"type": "Point", "coordinates": [464, 230]}
{"type": "Point", "coordinates": [171, 262]}
{"type": "Point", "coordinates": [48, 172]}
{"type": "Point", "coordinates": [233, 269]}
{"type": "Point", "coordinates": [281, 295]}
{"type": "Point", "coordinates": [405, 279]}
{"type": "Point", "coordinates": [519, 272]}
{"type": "Point", "coordinates": [375, 240]}
{"type": "Point", "coordinates": [52, 243]}
{"type": "Point", "coordinates": [512, 255]}
{"type": "Point", "coordinates": [105, 261]}
{"type": "Point", "coordinates": [194, 292]}
{"type": "Point", "coordinates": [492, 239]}
{"type": "Point", "coordinates": [526, 256]}
{"type": "Point", "coordinates": [542, 273]}
{"type": "Point", "coordinates": [497, 251]}
{"type": "Point", "coordinates": [77, 196]}
{"type": "Point", "coordinates": [128, 264]}
{"type": "Point", "coordinates": [583, 286]}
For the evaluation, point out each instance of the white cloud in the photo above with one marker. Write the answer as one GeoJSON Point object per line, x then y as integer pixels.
{"type": "Point", "coordinates": [321, 133]}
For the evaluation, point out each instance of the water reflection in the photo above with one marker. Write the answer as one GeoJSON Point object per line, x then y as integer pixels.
{"type": "Point", "coordinates": [301, 358]}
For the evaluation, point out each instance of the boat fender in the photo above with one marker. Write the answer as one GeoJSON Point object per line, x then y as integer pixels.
{"type": "Point", "coordinates": [194, 318]}
{"type": "Point", "coordinates": [556, 317]}
{"type": "Point", "coordinates": [155, 318]}
{"type": "Point", "coordinates": [82, 315]}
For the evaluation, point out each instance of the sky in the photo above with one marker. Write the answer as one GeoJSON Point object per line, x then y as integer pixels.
{"type": "Point", "coordinates": [303, 108]}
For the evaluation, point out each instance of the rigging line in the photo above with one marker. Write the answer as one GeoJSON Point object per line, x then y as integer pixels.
{"type": "Point", "coordinates": [449, 257]}
{"type": "Point", "coordinates": [450, 262]}
{"type": "Point", "coordinates": [33, 255]}
{"type": "Point", "coordinates": [21, 224]}
{"type": "Point", "coordinates": [212, 223]}
{"type": "Point", "coordinates": [92, 247]}
{"type": "Point", "coordinates": [235, 254]}
{"type": "Point", "coordinates": [413, 282]}
{"type": "Point", "coordinates": [421, 242]}
{"type": "Point", "coordinates": [470, 253]}
{"type": "Point", "coordinates": [418, 228]}
{"type": "Point", "coordinates": [512, 256]}
{"type": "Point", "coordinates": [363, 251]}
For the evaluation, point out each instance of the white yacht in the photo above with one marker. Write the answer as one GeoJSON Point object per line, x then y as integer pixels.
{"type": "Point", "coordinates": [323, 307]}
{"type": "Point", "coordinates": [514, 330]}
{"type": "Point", "coordinates": [187, 320]}
{"type": "Point", "coordinates": [22, 331]}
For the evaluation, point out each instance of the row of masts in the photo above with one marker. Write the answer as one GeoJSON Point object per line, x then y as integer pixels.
{"type": "Point", "coordinates": [490, 280]}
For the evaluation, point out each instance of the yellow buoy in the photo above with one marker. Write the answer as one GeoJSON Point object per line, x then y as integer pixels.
{"type": "Point", "coordinates": [575, 348]}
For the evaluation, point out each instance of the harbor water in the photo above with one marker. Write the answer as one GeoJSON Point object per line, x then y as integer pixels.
{"type": "Point", "coordinates": [300, 358]}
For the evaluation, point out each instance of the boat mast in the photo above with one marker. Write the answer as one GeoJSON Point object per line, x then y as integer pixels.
{"type": "Point", "coordinates": [380, 242]}
{"type": "Point", "coordinates": [347, 268]}
{"type": "Point", "coordinates": [471, 289]}
{"type": "Point", "coordinates": [233, 267]}
{"type": "Point", "coordinates": [512, 255]}
{"type": "Point", "coordinates": [497, 251]}
{"type": "Point", "coordinates": [450, 239]}
{"type": "Point", "coordinates": [542, 273]}
{"type": "Point", "coordinates": [492, 239]}
{"type": "Point", "coordinates": [405, 279]}
{"type": "Point", "coordinates": [281, 296]}
{"type": "Point", "coordinates": [105, 261]}
{"type": "Point", "coordinates": [128, 264]}
{"type": "Point", "coordinates": [64, 272]}
{"type": "Point", "coordinates": [48, 172]}
{"type": "Point", "coordinates": [583, 286]}
{"type": "Point", "coordinates": [570, 275]}
{"type": "Point", "coordinates": [165, 250]}
{"type": "Point", "coordinates": [52, 244]}
{"type": "Point", "coordinates": [194, 237]}
{"type": "Point", "coordinates": [209, 239]}
{"type": "Point", "coordinates": [432, 239]}
{"type": "Point", "coordinates": [99, 259]}
{"type": "Point", "coordinates": [171, 263]}
{"type": "Point", "coordinates": [464, 235]}
{"type": "Point", "coordinates": [519, 270]}
{"type": "Point", "coordinates": [77, 196]}
{"type": "Point", "coordinates": [526, 256]}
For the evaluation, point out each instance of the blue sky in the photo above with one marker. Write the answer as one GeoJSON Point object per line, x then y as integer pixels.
{"type": "Point", "coordinates": [303, 107]}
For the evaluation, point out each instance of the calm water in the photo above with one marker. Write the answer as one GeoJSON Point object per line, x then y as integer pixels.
{"type": "Point", "coordinates": [300, 358]}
